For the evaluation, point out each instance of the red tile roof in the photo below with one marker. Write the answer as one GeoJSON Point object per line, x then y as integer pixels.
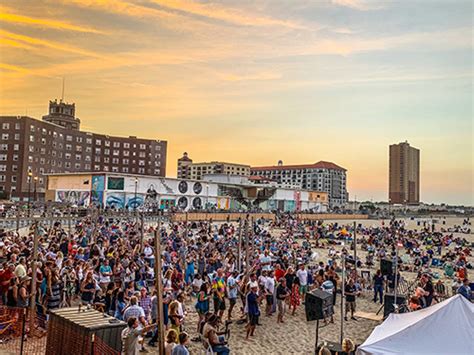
{"type": "Point", "coordinates": [318, 165]}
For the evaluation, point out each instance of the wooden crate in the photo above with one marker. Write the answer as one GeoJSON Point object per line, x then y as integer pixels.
{"type": "Point", "coordinates": [71, 331]}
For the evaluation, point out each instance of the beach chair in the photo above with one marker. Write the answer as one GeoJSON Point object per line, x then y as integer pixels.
{"type": "Point", "coordinates": [207, 346]}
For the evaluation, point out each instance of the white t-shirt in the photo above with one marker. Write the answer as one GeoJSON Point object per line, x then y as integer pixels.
{"type": "Point", "coordinates": [302, 275]}
{"type": "Point", "coordinates": [270, 285]}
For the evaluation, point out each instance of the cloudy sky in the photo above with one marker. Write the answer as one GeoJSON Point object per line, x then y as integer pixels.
{"type": "Point", "coordinates": [258, 81]}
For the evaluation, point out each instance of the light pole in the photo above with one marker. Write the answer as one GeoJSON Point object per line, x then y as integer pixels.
{"type": "Point", "coordinates": [35, 179]}
{"type": "Point", "coordinates": [136, 187]}
{"type": "Point", "coordinates": [30, 176]}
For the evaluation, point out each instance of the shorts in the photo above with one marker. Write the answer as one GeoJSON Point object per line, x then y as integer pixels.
{"type": "Point", "coordinates": [232, 301]}
{"type": "Point", "coordinates": [219, 304]}
{"type": "Point", "coordinates": [269, 299]}
{"type": "Point", "coordinates": [350, 306]}
{"type": "Point", "coordinates": [281, 307]}
{"type": "Point", "coordinates": [303, 289]}
{"type": "Point", "coordinates": [253, 319]}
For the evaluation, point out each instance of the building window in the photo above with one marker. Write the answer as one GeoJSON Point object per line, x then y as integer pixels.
{"type": "Point", "coordinates": [141, 163]}
{"type": "Point", "coordinates": [32, 128]}
{"type": "Point", "coordinates": [79, 139]}
{"type": "Point", "coordinates": [87, 158]}
{"type": "Point", "coordinates": [68, 147]}
{"type": "Point", "coordinates": [89, 140]}
{"type": "Point", "coordinates": [67, 165]}
{"type": "Point", "coordinates": [69, 138]}
{"type": "Point", "coordinates": [77, 166]}
{"type": "Point", "coordinates": [106, 168]}
{"type": "Point", "coordinates": [15, 157]}
{"type": "Point", "coordinates": [106, 160]}
{"type": "Point", "coordinates": [32, 139]}
{"type": "Point", "coordinates": [157, 171]}
{"type": "Point", "coordinates": [5, 136]}
{"type": "Point", "coordinates": [107, 151]}
{"type": "Point", "coordinates": [67, 155]}
{"type": "Point", "coordinates": [125, 169]}
{"type": "Point", "coordinates": [116, 152]}
{"type": "Point", "coordinates": [2, 179]}
{"type": "Point", "coordinates": [97, 167]}
{"type": "Point", "coordinates": [115, 160]}
{"type": "Point", "coordinates": [98, 151]}
{"type": "Point", "coordinates": [14, 178]}
{"type": "Point", "coordinates": [115, 169]}
{"type": "Point", "coordinates": [125, 161]}
{"type": "Point", "coordinates": [126, 145]}
{"type": "Point", "coordinates": [98, 142]}
{"type": "Point", "coordinates": [17, 126]}
{"type": "Point", "coordinates": [5, 125]}
{"type": "Point", "coordinates": [142, 146]}
{"type": "Point", "coordinates": [3, 146]}
{"type": "Point", "coordinates": [78, 157]}
{"type": "Point", "coordinates": [78, 148]}
{"type": "Point", "coordinates": [97, 159]}
{"type": "Point", "coordinates": [142, 154]}
{"type": "Point", "coordinates": [141, 170]}
{"type": "Point", "coordinates": [14, 168]}
{"type": "Point", "coordinates": [88, 149]}
{"type": "Point", "coordinates": [3, 167]}
{"type": "Point", "coordinates": [126, 153]}
{"type": "Point", "coordinates": [116, 144]}
{"type": "Point", "coordinates": [87, 167]}
{"type": "Point", "coordinates": [107, 143]}
{"type": "Point", "coordinates": [3, 157]}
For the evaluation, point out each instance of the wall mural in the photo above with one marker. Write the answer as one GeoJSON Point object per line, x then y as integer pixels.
{"type": "Point", "coordinates": [197, 188]}
{"type": "Point", "coordinates": [115, 200]}
{"type": "Point", "coordinates": [197, 203]}
{"type": "Point", "coordinates": [182, 203]}
{"type": "Point", "coordinates": [78, 198]}
{"type": "Point", "coordinates": [97, 190]}
{"type": "Point", "coordinates": [133, 201]}
{"type": "Point", "coordinates": [183, 187]}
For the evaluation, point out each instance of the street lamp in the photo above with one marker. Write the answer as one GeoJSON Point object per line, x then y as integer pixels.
{"type": "Point", "coordinates": [34, 193]}
{"type": "Point", "coordinates": [135, 204]}
{"type": "Point", "coordinates": [30, 175]}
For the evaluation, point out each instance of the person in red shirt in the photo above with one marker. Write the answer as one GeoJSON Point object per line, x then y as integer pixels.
{"type": "Point", "coordinates": [6, 274]}
{"type": "Point", "coordinates": [279, 272]}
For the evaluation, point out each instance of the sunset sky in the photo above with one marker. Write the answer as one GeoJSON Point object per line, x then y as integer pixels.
{"type": "Point", "coordinates": [258, 81]}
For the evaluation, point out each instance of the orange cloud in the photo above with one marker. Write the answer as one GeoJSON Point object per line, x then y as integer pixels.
{"type": "Point", "coordinates": [44, 43]}
{"type": "Point", "coordinates": [48, 23]}
{"type": "Point", "coordinates": [217, 12]}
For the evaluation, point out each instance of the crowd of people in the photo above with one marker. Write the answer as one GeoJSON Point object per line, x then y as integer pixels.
{"type": "Point", "coordinates": [234, 272]}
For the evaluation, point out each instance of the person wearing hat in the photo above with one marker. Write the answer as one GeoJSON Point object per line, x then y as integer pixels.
{"type": "Point", "coordinates": [253, 311]}
{"type": "Point", "coordinates": [23, 295]}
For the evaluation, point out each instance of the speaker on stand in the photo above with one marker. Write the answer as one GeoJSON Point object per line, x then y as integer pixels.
{"type": "Point", "coordinates": [318, 305]}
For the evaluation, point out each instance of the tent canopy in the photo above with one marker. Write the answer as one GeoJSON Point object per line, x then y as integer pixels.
{"type": "Point", "coordinates": [444, 328]}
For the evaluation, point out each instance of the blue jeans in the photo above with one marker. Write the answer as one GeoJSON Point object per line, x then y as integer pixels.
{"type": "Point", "coordinates": [378, 289]}
{"type": "Point", "coordinates": [221, 349]}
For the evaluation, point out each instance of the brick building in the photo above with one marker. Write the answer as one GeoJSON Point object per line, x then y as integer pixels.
{"type": "Point", "coordinates": [189, 170]}
{"type": "Point", "coordinates": [321, 176]}
{"type": "Point", "coordinates": [404, 174]}
{"type": "Point", "coordinates": [30, 148]}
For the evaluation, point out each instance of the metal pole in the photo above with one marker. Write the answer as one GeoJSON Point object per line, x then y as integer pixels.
{"type": "Point", "coordinates": [355, 247]}
{"type": "Point", "coordinates": [343, 283]}
{"type": "Point", "coordinates": [396, 277]}
{"type": "Point", "coordinates": [34, 263]}
{"type": "Point", "coordinates": [186, 225]}
{"type": "Point", "coordinates": [239, 247]}
{"type": "Point", "coordinates": [142, 231]}
{"type": "Point", "coordinates": [23, 331]}
{"type": "Point", "coordinates": [247, 256]}
{"type": "Point", "coordinates": [17, 221]}
{"type": "Point", "coordinates": [159, 288]}
{"type": "Point", "coordinates": [29, 195]}
{"type": "Point", "coordinates": [317, 336]}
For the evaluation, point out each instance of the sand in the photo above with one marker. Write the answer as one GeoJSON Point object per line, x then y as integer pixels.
{"type": "Point", "coordinates": [296, 335]}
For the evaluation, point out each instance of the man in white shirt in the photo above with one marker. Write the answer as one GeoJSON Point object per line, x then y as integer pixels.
{"type": "Point", "coordinates": [266, 261]}
{"type": "Point", "coordinates": [302, 275]}
{"type": "Point", "coordinates": [269, 290]}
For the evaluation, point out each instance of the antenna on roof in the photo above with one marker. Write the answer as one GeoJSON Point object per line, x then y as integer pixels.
{"type": "Point", "coordinates": [62, 93]}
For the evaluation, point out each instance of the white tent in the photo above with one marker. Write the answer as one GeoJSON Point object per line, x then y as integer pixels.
{"type": "Point", "coordinates": [444, 328]}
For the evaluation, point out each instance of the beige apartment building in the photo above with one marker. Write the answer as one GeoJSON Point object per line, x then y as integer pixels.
{"type": "Point", "coordinates": [189, 170]}
{"type": "Point", "coordinates": [404, 174]}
